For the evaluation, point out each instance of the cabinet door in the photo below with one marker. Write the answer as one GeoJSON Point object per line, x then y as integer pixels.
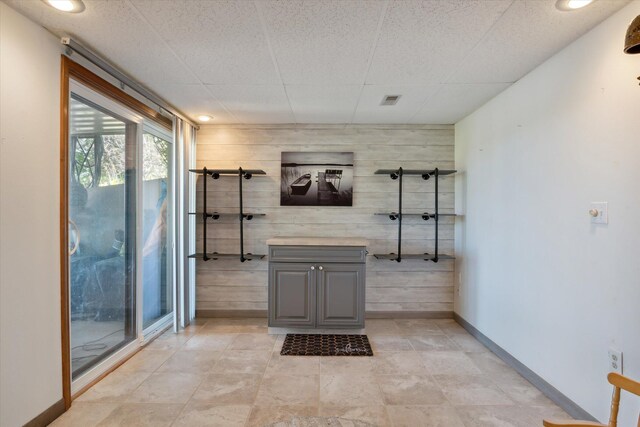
{"type": "Point", "coordinates": [341, 295]}
{"type": "Point", "coordinates": [292, 295]}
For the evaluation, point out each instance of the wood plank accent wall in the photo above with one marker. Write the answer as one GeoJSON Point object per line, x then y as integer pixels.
{"type": "Point", "coordinates": [408, 286]}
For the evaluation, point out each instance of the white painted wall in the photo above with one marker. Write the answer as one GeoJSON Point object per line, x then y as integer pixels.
{"type": "Point", "coordinates": [30, 357]}
{"type": "Point", "coordinates": [537, 278]}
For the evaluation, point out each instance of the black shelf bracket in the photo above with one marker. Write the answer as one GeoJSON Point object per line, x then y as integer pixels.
{"type": "Point", "coordinates": [242, 216]}
{"type": "Point", "coordinates": [436, 175]}
{"type": "Point", "coordinates": [204, 215]}
{"type": "Point", "coordinates": [399, 173]}
{"type": "Point", "coordinates": [426, 216]}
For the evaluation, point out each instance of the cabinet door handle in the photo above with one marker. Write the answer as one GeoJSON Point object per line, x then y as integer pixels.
{"type": "Point", "coordinates": [320, 268]}
{"type": "Point", "coordinates": [313, 267]}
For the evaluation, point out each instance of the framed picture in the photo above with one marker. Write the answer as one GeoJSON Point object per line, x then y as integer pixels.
{"type": "Point", "coordinates": [316, 179]}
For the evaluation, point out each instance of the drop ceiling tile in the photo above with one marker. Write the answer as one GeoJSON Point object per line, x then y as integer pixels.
{"type": "Point", "coordinates": [255, 103]}
{"type": "Point", "coordinates": [116, 33]}
{"type": "Point", "coordinates": [323, 104]}
{"type": "Point", "coordinates": [423, 41]}
{"type": "Point", "coordinates": [321, 41]}
{"type": "Point", "coordinates": [196, 100]}
{"type": "Point", "coordinates": [454, 102]}
{"type": "Point", "coordinates": [411, 100]}
{"type": "Point", "coordinates": [528, 33]}
{"type": "Point", "coordinates": [222, 41]}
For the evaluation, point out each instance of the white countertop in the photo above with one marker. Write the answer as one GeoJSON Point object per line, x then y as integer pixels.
{"type": "Point", "coordinates": [317, 241]}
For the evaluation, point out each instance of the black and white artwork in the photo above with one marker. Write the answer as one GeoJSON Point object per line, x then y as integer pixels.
{"type": "Point", "coordinates": [316, 179]}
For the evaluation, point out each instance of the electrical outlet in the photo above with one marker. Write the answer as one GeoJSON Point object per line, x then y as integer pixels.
{"type": "Point", "coordinates": [615, 361]}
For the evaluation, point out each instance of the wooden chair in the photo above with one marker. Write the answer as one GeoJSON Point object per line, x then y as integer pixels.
{"type": "Point", "coordinates": [618, 382]}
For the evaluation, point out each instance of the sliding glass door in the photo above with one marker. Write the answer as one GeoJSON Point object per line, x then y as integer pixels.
{"type": "Point", "coordinates": [157, 218]}
{"type": "Point", "coordinates": [120, 216]}
{"type": "Point", "coordinates": [102, 187]}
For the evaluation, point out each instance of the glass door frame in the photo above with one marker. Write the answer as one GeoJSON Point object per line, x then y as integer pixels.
{"type": "Point", "coordinates": [72, 71]}
{"type": "Point", "coordinates": [101, 102]}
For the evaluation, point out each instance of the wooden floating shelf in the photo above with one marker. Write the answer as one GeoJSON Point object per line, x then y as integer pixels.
{"type": "Point", "coordinates": [216, 215]}
{"type": "Point", "coordinates": [215, 256]}
{"type": "Point", "coordinates": [425, 257]}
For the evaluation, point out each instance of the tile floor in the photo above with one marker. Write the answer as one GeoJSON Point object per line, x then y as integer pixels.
{"type": "Point", "coordinates": [228, 372]}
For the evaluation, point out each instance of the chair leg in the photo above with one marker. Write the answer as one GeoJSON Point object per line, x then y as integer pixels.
{"type": "Point", "coordinates": [615, 403]}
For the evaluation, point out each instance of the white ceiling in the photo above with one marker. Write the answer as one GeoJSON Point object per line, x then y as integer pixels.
{"type": "Point", "coordinates": [324, 61]}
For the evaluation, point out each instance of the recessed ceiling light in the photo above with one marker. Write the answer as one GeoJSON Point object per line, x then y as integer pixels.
{"type": "Point", "coordinates": [71, 6]}
{"type": "Point", "coordinates": [204, 118]}
{"type": "Point", "coordinates": [567, 5]}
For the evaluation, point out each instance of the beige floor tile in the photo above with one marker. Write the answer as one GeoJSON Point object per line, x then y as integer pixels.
{"type": "Point", "coordinates": [410, 390]}
{"type": "Point", "coordinates": [448, 362]}
{"type": "Point", "coordinates": [468, 343]}
{"type": "Point", "coordinates": [293, 365]}
{"type": "Point", "coordinates": [115, 387]}
{"type": "Point", "coordinates": [166, 388]}
{"type": "Point", "coordinates": [491, 365]}
{"type": "Point", "coordinates": [253, 342]}
{"type": "Point", "coordinates": [147, 360]}
{"type": "Point", "coordinates": [283, 390]}
{"type": "Point", "coordinates": [267, 415]}
{"type": "Point", "coordinates": [502, 416]}
{"type": "Point", "coordinates": [202, 414]}
{"type": "Point", "coordinates": [424, 416]}
{"type": "Point", "coordinates": [521, 391]}
{"type": "Point", "coordinates": [382, 327]}
{"type": "Point", "coordinates": [429, 372]}
{"type": "Point", "coordinates": [242, 362]}
{"type": "Point", "coordinates": [169, 341]}
{"type": "Point", "coordinates": [198, 322]}
{"type": "Point", "coordinates": [471, 390]}
{"type": "Point", "coordinates": [346, 365]}
{"type": "Point", "coordinates": [374, 415]}
{"type": "Point", "coordinates": [142, 415]}
{"type": "Point", "coordinates": [389, 343]}
{"type": "Point", "coordinates": [228, 389]}
{"type": "Point", "coordinates": [400, 363]}
{"type": "Point", "coordinates": [191, 361]}
{"type": "Point", "coordinates": [349, 390]}
{"type": "Point", "coordinates": [432, 343]}
{"type": "Point", "coordinates": [279, 341]}
{"type": "Point", "coordinates": [233, 326]}
{"type": "Point", "coordinates": [84, 414]}
{"type": "Point", "coordinates": [418, 327]}
{"type": "Point", "coordinates": [209, 342]}
{"type": "Point", "coordinates": [552, 412]}
{"type": "Point", "coordinates": [450, 326]}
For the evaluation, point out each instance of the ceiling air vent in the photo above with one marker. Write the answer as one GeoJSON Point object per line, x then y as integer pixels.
{"type": "Point", "coordinates": [390, 100]}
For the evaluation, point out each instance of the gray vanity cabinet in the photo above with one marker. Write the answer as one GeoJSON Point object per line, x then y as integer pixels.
{"type": "Point", "coordinates": [340, 295]}
{"type": "Point", "coordinates": [321, 287]}
{"type": "Point", "coordinates": [292, 289]}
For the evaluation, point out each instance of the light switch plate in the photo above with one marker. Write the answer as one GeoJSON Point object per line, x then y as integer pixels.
{"type": "Point", "coordinates": [602, 209]}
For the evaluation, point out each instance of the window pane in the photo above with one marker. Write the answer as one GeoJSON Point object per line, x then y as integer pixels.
{"type": "Point", "coordinates": [101, 233]}
{"type": "Point", "coordinates": [157, 289]}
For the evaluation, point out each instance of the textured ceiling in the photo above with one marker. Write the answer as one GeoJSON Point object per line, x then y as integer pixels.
{"type": "Point", "coordinates": [324, 61]}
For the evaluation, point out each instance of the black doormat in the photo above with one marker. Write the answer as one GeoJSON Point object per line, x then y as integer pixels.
{"type": "Point", "coordinates": [326, 345]}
